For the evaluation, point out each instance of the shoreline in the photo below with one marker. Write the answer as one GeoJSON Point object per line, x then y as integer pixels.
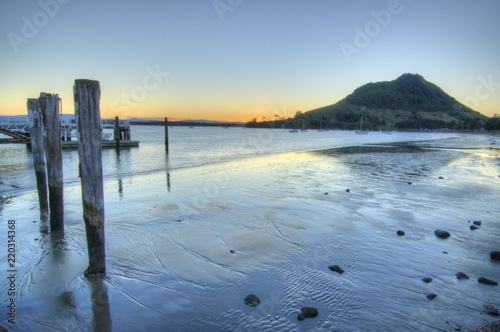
{"type": "Point", "coordinates": [286, 217]}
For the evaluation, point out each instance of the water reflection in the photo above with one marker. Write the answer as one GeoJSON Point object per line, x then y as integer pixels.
{"type": "Point", "coordinates": [168, 173]}
{"type": "Point", "coordinates": [168, 181]}
{"type": "Point", "coordinates": [120, 188]}
{"type": "Point", "coordinates": [101, 315]}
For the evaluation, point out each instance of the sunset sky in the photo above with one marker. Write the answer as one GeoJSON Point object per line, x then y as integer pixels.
{"type": "Point", "coordinates": [236, 60]}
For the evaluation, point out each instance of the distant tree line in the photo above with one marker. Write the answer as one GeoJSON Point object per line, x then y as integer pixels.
{"type": "Point", "coordinates": [349, 120]}
{"type": "Point", "coordinates": [493, 123]}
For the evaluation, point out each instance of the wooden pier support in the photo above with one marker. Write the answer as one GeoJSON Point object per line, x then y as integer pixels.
{"type": "Point", "coordinates": [117, 133]}
{"type": "Point", "coordinates": [35, 120]}
{"type": "Point", "coordinates": [87, 111]}
{"type": "Point", "coordinates": [49, 106]}
{"type": "Point", "coordinates": [166, 135]}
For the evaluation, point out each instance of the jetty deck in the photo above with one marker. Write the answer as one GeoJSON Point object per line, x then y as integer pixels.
{"type": "Point", "coordinates": [19, 133]}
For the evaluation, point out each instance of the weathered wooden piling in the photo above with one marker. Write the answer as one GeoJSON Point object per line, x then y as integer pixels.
{"type": "Point", "coordinates": [87, 111]}
{"type": "Point", "coordinates": [35, 120]}
{"type": "Point", "coordinates": [49, 106]}
{"type": "Point", "coordinates": [166, 135]}
{"type": "Point", "coordinates": [117, 133]}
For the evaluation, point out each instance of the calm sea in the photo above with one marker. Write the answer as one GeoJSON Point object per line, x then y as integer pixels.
{"type": "Point", "coordinates": [190, 147]}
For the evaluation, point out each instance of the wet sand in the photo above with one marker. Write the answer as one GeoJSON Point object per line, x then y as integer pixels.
{"type": "Point", "coordinates": [184, 248]}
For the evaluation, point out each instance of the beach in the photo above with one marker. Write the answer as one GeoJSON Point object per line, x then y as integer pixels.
{"type": "Point", "coordinates": [187, 241]}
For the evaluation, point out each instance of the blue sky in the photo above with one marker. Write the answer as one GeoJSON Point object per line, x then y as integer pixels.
{"type": "Point", "coordinates": [243, 59]}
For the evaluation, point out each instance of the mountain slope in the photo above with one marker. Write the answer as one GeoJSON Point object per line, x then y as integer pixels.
{"type": "Point", "coordinates": [409, 102]}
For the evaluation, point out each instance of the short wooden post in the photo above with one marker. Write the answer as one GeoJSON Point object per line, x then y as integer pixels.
{"type": "Point", "coordinates": [117, 133]}
{"type": "Point", "coordinates": [87, 111]}
{"type": "Point", "coordinates": [49, 106]}
{"type": "Point", "coordinates": [36, 128]}
{"type": "Point", "coordinates": [166, 135]}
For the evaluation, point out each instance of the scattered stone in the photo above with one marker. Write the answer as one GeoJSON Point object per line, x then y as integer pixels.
{"type": "Point", "coordinates": [4, 329]}
{"type": "Point", "coordinates": [252, 300]}
{"type": "Point", "coordinates": [431, 296]}
{"type": "Point", "coordinates": [491, 327]}
{"type": "Point", "coordinates": [445, 252]}
{"type": "Point", "coordinates": [410, 183]}
{"type": "Point", "coordinates": [336, 268]}
{"type": "Point", "coordinates": [326, 193]}
{"type": "Point", "coordinates": [308, 312]}
{"type": "Point", "coordinates": [400, 233]}
{"type": "Point", "coordinates": [486, 281]}
{"type": "Point", "coordinates": [348, 190]}
{"type": "Point", "coordinates": [461, 275]}
{"type": "Point", "coordinates": [473, 227]}
{"type": "Point", "coordinates": [491, 310]}
{"type": "Point", "coordinates": [441, 178]}
{"type": "Point", "coordinates": [495, 255]}
{"type": "Point", "coordinates": [232, 251]}
{"type": "Point", "coordinates": [427, 280]}
{"type": "Point", "coordinates": [441, 233]}
{"type": "Point", "coordinates": [477, 223]}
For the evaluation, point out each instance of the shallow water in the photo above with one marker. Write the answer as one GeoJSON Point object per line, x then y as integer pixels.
{"type": "Point", "coordinates": [287, 217]}
{"type": "Point", "coordinates": [189, 147]}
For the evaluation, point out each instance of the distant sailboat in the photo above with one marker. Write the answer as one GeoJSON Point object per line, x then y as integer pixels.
{"type": "Point", "coordinates": [320, 125]}
{"type": "Point", "coordinates": [303, 126]}
{"type": "Point", "coordinates": [361, 131]}
{"type": "Point", "coordinates": [388, 131]}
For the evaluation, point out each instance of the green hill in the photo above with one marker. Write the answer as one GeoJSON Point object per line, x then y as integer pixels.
{"type": "Point", "coordinates": [409, 102]}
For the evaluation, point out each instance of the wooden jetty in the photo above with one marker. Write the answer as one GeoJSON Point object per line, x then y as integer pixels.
{"type": "Point", "coordinates": [19, 132]}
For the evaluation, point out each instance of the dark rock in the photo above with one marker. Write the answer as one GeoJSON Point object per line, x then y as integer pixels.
{"type": "Point", "coordinates": [495, 255]}
{"type": "Point", "coordinates": [400, 233]}
{"type": "Point", "coordinates": [409, 183]}
{"type": "Point", "coordinates": [308, 312]}
{"type": "Point", "coordinates": [461, 275]}
{"type": "Point", "coordinates": [441, 234]}
{"type": "Point", "coordinates": [487, 281]}
{"type": "Point", "coordinates": [473, 227]}
{"type": "Point", "coordinates": [348, 190]}
{"type": "Point", "coordinates": [252, 300]}
{"type": "Point", "coordinates": [477, 223]}
{"type": "Point", "coordinates": [326, 193]}
{"type": "Point", "coordinates": [4, 329]}
{"type": "Point", "coordinates": [336, 268]}
{"type": "Point", "coordinates": [491, 327]}
{"type": "Point", "coordinates": [232, 251]}
{"type": "Point", "coordinates": [491, 310]}
{"type": "Point", "coordinates": [441, 178]}
{"type": "Point", "coordinates": [431, 296]}
{"type": "Point", "coordinates": [427, 280]}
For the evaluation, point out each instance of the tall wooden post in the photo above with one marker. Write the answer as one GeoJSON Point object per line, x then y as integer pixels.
{"type": "Point", "coordinates": [117, 133]}
{"type": "Point", "coordinates": [166, 135]}
{"type": "Point", "coordinates": [49, 106]}
{"type": "Point", "coordinates": [87, 111]}
{"type": "Point", "coordinates": [35, 120]}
